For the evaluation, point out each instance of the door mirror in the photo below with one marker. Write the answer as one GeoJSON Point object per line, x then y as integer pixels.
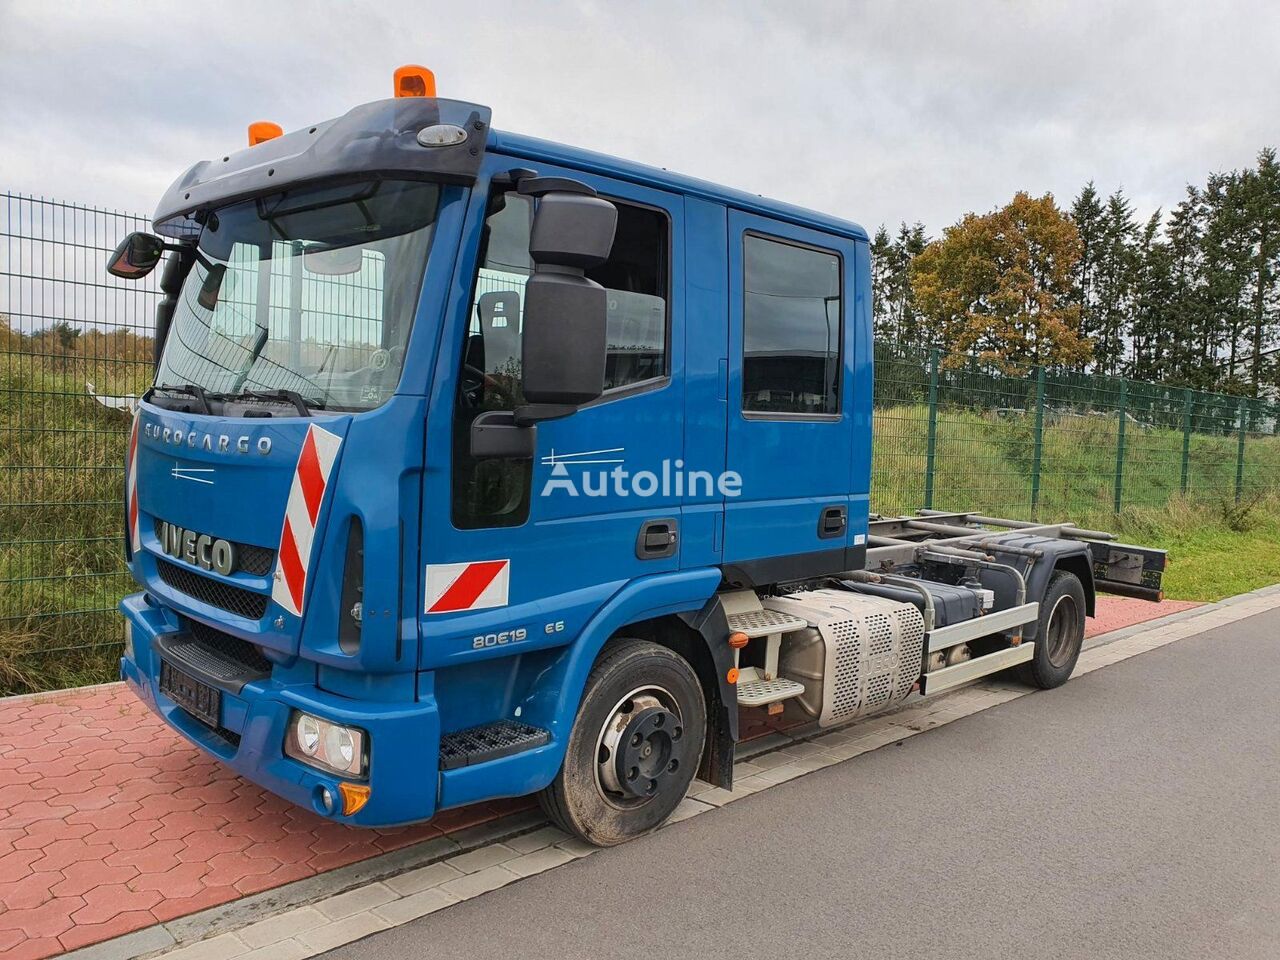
{"type": "Point", "coordinates": [563, 346]}
{"type": "Point", "coordinates": [136, 256]}
{"type": "Point", "coordinates": [564, 349]}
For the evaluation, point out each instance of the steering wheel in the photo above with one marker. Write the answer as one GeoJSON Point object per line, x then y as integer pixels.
{"type": "Point", "coordinates": [475, 380]}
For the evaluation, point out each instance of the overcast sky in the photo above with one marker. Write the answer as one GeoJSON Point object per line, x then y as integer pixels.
{"type": "Point", "coordinates": [877, 111]}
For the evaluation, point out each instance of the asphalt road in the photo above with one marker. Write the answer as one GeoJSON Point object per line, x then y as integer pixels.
{"type": "Point", "coordinates": [1135, 812]}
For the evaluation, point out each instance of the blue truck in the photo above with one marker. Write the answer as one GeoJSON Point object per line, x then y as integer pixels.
{"type": "Point", "coordinates": [478, 466]}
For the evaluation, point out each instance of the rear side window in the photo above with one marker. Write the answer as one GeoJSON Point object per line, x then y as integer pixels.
{"type": "Point", "coordinates": [791, 323]}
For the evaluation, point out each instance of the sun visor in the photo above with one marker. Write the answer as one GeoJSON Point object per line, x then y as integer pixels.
{"type": "Point", "coordinates": [407, 138]}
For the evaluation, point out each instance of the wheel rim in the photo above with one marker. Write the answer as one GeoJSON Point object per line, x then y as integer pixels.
{"type": "Point", "coordinates": [641, 748]}
{"type": "Point", "coordinates": [1061, 634]}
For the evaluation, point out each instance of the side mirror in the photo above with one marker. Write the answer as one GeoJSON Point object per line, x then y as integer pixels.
{"type": "Point", "coordinates": [563, 345]}
{"type": "Point", "coordinates": [136, 256]}
{"type": "Point", "coordinates": [564, 348]}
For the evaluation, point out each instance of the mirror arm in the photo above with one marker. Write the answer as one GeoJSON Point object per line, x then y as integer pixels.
{"type": "Point", "coordinates": [496, 436]}
{"type": "Point", "coordinates": [532, 413]}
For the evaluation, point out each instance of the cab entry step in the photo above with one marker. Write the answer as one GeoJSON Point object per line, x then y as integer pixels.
{"type": "Point", "coordinates": [489, 741]}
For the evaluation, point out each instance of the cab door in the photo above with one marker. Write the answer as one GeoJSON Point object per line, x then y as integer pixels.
{"type": "Point", "coordinates": [790, 388]}
{"type": "Point", "coordinates": [519, 554]}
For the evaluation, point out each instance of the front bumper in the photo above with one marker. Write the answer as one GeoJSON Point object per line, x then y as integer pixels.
{"type": "Point", "coordinates": [404, 738]}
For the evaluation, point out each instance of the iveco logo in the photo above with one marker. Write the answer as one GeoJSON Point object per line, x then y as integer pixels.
{"type": "Point", "coordinates": [196, 440]}
{"type": "Point", "coordinates": [197, 549]}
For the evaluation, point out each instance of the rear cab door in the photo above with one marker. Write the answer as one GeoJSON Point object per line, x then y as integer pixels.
{"type": "Point", "coordinates": [791, 400]}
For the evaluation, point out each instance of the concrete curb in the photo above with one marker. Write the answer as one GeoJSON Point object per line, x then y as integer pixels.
{"type": "Point", "coordinates": [311, 916]}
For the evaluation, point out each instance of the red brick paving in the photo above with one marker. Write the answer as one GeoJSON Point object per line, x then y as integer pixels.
{"type": "Point", "coordinates": [110, 822]}
{"type": "Point", "coordinates": [1114, 613]}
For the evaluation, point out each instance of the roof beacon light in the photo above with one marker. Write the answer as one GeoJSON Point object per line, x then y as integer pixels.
{"type": "Point", "coordinates": [415, 81]}
{"type": "Point", "coordinates": [262, 131]}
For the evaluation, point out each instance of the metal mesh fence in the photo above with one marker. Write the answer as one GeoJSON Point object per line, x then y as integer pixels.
{"type": "Point", "coordinates": [950, 432]}
{"type": "Point", "coordinates": [954, 433]}
{"type": "Point", "coordinates": [67, 331]}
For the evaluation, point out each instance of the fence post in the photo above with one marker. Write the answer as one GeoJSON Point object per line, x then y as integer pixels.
{"type": "Point", "coordinates": [1124, 397]}
{"type": "Point", "coordinates": [932, 447]}
{"type": "Point", "coordinates": [1186, 438]}
{"type": "Point", "coordinates": [1037, 452]}
{"type": "Point", "coordinates": [1244, 421]}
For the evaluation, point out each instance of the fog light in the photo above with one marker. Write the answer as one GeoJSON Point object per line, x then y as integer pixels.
{"type": "Point", "coordinates": [128, 638]}
{"type": "Point", "coordinates": [327, 746]}
{"type": "Point", "coordinates": [328, 802]}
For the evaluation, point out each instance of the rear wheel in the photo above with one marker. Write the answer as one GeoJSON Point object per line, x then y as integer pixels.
{"type": "Point", "coordinates": [634, 747]}
{"type": "Point", "coordinates": [1060, 635]}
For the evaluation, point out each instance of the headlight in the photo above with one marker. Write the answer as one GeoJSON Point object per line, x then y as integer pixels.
{"type": "Point", "coordinates": [328, 746]}
{"type": "Point", "coordinates": [128, 638]}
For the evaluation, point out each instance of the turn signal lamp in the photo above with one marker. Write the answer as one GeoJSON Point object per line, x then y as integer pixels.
{"type": "Point", "coordinates": [738, 640]}
{"type": "Point", "coordinates": [354, 797]}
{"type": "Point", "coordinates": [414, 81]}
{"type": "Point", "coordinates": [262, 131]}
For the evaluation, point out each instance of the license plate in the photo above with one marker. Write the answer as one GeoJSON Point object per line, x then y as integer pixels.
{"type": "Point", "coordinates": [198, 699]}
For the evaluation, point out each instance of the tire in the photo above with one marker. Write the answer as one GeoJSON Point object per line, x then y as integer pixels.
{"type": "Point", "coordinates": [610, 789]}
{"type": "Point", "coordinates": [1060, 634]}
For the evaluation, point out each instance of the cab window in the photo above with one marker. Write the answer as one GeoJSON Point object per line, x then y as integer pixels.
{"type": "Point", "coordinates": [495, 493]}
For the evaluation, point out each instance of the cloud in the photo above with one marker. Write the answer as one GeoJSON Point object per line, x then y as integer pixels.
{"type": "Point", "coordinates": [875, 111]}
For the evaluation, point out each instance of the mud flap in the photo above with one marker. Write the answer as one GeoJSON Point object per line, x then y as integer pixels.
{"type": "Point", "coordinates": [722, 697]}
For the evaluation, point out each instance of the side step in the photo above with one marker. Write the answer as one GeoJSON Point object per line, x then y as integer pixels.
{"type": "Point", "coordinates": [746, 615]}
{"type": "Point", "coordinates": [755, 691]}
{"type": "Point", "coordinates": [490, 741]}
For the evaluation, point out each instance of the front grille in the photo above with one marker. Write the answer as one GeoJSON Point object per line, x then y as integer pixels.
{"type": "Point", "coordinates": [229, 647]}
{"type": "Point", "coordinates": [237, 600]}
{"type": "Point", "coordinates": [255, 560]}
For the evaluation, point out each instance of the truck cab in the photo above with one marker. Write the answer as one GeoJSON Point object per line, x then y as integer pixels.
{"type": "Point", "coordinates": [474, 464]}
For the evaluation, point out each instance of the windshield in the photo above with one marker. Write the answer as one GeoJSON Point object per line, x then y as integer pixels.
{"type": "Point", "coordinates": [311, 291]}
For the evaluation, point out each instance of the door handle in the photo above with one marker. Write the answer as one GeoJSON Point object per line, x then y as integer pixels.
{"type": "Point", "coordinates": [832, 522]}
{"type": "Point", "coordinates": [657, 538]}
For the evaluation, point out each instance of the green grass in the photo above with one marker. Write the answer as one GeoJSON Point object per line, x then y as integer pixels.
{"type": "Point", "coordinates": [1215, 550]}
{"type": "Point", "coordinates": [61, 504]}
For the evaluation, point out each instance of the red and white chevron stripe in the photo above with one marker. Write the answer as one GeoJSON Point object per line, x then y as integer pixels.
{"type": "Point", "coordinates": [131, 489]}
{"type": "Point", "coordinates": [453, 587]}
{"type": "Point", "coordinates": [310, 480]}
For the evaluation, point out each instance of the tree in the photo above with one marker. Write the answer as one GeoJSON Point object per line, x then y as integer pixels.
{"type": "Point", "coordinates": [881, 268]}
{"type": "Point", "coordinates": [896, 317]}
{"type": "Point", "coordinates": [1226, 263]}
{"type": "Point", "coordinates": [1002, 283]}
{"type": "Point", "coordinates": [1115, 268]}
{"type": "Point", "coordinates": [1153, 293]}
{"type": "Point", "coordinates": [65, 335]}
{"type": "Point", "coordinates": [1088, 215]}
{"type": "Point", "coordinates": [1186, 317]}
{"type": "Point", "coordinates": [1261, 190]}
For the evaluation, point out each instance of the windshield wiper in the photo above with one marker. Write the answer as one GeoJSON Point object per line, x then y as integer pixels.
{"type": "Point", "coordinates": [190, 390]}
{"type": "Point", "coordinates": [300, 403]}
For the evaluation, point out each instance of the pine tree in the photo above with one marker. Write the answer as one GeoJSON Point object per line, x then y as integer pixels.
{"type": "Point", "coordinates": [1087, 214]}
{"type": "Point", "coordinates": [881, 267]}
{"type": "Point", "coordinates": [1188, 363]}
{"type": "Point", "coordinates": [1114, 284]}
{"type": "Point", "coordinates": [1226, 263]}
{"type": "Point", "coordinates": [1261, 197]}
{"type": "Point", "coordinates": [1153, 297]}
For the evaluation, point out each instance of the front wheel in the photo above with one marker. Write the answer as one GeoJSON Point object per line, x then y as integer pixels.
{"type": "Point", "coordinates": [1060, 635]}
{"type": "Point", "coordinates": [634, 747]}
